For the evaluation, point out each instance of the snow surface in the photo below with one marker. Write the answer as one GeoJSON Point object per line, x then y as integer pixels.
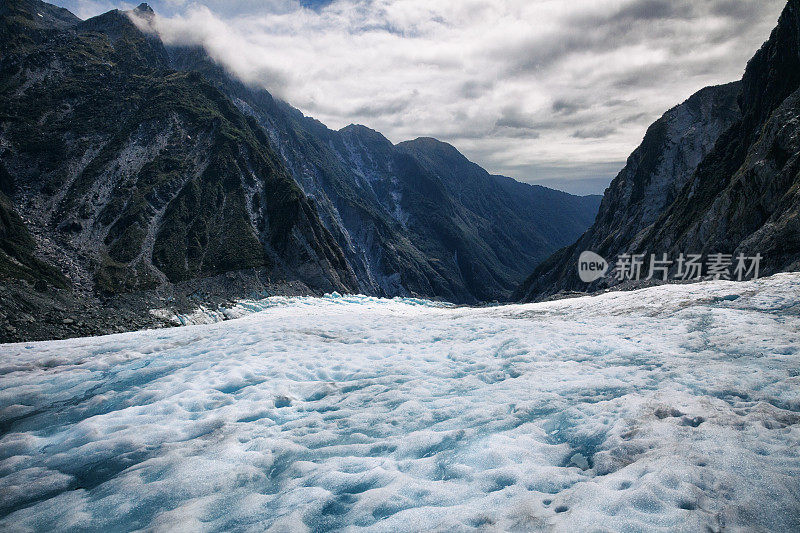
{"type": "Point", "coordinates": [666, 409]}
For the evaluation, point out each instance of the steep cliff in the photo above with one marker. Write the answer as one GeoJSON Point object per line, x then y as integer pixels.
{"type": "Point", "coordinates": [652, 178]}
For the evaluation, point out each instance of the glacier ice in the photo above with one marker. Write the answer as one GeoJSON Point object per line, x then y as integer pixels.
{"type": "Point", "coordinates": [667, 409]}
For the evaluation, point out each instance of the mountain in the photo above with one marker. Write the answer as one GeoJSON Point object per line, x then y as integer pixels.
{"type": "Point", "coordinates": [133, 176]}
{"type": "Point", "coordinates": [136, 176]}
{"type": "Point", "coordinates": [710, 177]}
{"type": "Point", "coordinates": [652, 178]}
{"type": "Point", "coordinates": [416, 218]}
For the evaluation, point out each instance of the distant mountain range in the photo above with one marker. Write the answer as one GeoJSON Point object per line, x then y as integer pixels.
{"type": "Point", "coordinates": [416, 218]}
{"type": "Point", "coordinates": [135, 175]}
{"type": "Point", "coordinates": [718, 174]}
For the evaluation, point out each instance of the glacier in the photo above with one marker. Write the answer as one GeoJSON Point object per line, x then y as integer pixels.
{"type": "Point", "coordinates": [672, 408]}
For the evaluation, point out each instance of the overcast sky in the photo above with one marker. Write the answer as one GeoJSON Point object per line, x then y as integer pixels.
{"type": "Point", "coordinates": [546, 91]}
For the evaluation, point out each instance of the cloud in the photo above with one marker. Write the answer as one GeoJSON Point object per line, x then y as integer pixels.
{"type": "Point", "coordinates": [514, 117]}
{"type": "Point", "coordinates": [645, 10]}
{"type": "Point", "coordinates": [596, 132]}
{"type": "Point", "coordinates": [392, 106]}
{"type": "Point", "coordinates": [473, 89]}
{"type": "Point", "coordinates": [523, 87]}
{"type": "Point", "coordinates": [568, 107]}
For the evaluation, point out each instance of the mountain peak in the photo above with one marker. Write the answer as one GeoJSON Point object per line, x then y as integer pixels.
{"type": "Point", "coordinates": [774, 71]}
{"type": "Point", "coordinates": [359, 129]}
{"type": "Point", "coordinates": [717, 173]}
{"type": "Point", "coordinates": [365, 134]}
{"type": "Point", "coordinates": [431, 147]}
{"type": "Point", "coordinates": [430, 143]}
{"type": "Point", "coordinates": [144, 10]}
{"type": "Point", "coordinates": [114, 24]}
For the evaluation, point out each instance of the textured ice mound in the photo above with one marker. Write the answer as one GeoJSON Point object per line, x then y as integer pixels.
{"type": "Point", "coordinates": [671, 408]}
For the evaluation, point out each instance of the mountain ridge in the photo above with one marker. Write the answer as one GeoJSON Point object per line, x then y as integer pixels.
{"type": "Point", "coordinates": [149, 177]}
{"type": "Point", "coordinates": [672, 148]}
{"type": "Point", "coordinates": [341, 168]}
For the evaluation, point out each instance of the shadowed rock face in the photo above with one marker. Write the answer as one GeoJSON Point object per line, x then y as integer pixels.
{"type": "Point", "coordinates": [744, 196]}
{"type": "Point", "coordinates": [736, 192]}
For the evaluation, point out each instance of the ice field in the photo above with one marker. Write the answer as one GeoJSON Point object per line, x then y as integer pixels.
{"type": "Point", "coordinates": [675, 408]}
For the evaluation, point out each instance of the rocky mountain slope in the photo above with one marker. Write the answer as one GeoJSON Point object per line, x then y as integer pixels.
{"type": "Point", "coordinates": [417, 218]}
{"type": "Point", "coordinates": [133, 177]}
{"type": "Point", "coordinates": [136, 176]}
{"type": "Point", "coordinates": [709, 177]}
